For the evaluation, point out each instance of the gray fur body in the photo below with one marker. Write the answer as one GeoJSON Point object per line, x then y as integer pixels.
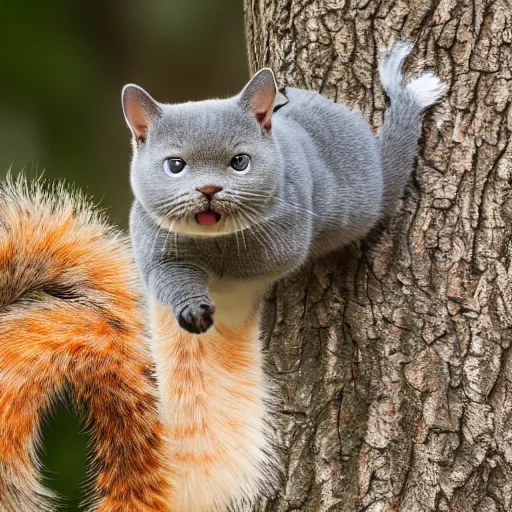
{"type": "Point", "coordinates": [319, 179]}
{"type": "Point", "coordinates": [343, 192]}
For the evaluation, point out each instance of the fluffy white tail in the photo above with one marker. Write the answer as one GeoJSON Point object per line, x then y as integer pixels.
{"type": "Point", "coordinates": [427, 89]}
{"type": "Point", "coordinates": [398, 140]}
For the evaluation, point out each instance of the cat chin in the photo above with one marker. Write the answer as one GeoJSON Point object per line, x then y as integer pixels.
{"type": "Point", "coordinates": [190, 227]}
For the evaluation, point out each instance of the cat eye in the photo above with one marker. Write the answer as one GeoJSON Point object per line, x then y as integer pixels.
{"type": "Point", "coordinates": [240, 163]}
{"type": "Point", "coordinates": [173, 166]}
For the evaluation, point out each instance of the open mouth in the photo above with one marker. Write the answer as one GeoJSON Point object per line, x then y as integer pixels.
{"type": "Point", "coordinates": [208, 218]}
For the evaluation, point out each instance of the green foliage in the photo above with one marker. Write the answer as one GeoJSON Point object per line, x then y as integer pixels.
{"type": "Point", "coordinates": [65, 453]}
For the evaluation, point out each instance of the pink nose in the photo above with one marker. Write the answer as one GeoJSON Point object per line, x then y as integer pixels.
{"type": "Point", "coordinates": [209, 190]}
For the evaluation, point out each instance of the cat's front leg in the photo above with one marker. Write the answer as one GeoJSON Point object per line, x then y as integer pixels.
{"type": "Point", "coordinates": [184, 288]}
{"type": "Point", "coordinates": [181, 286]}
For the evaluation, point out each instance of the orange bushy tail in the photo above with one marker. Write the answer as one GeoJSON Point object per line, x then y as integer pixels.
{"type": "Point", "coordinates": [70, 316]}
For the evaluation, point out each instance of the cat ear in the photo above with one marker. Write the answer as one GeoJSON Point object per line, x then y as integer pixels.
{"type": "Point", "coordinates": [140, 110]}
{"type": "Point", "coordinates": [259, 95]}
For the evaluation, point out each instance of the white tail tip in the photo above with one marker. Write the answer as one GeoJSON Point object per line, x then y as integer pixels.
{"type": "Point", "coordinates": [427, 89]}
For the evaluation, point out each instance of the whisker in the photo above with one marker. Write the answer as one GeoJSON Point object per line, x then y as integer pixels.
{"type": "Point", "coordinates": [167, 237]}
{"type": "Point", "coordinates": [242, 222]}
{"type": "Point", "coordinates": [253, 230]}
{"type": "Point", "coordinates": [249, 209]}
{"type": "Point", "coordinates": [254, 194]}
{"type": "Point", "coordinates": [153, 247]}
{"type": "Point", "coordinates": [170, 200]}
{"type": "Point", "coordinates": [257, 228]}
{"type": "Point", "coordinates": [177, 209]}
{"type": "Point", "coordinates": [236, 235]}
{"type": "Point", "coordinates": [298, 206]}
{"type": "Point", "coordinates": [243, 238]}
{"type": "Point", "coordinates": [246, 192]}
{"type": "Point", "coordinates": [250, 196]}
{"type": "Point", "coordinates": [240, 203]}
{"type": "Point", "coordinates": [165, 241]}
{"type": "Point", "coordinates": [255, 214]}
{"type": "Point", "coordinates": [327, 219]}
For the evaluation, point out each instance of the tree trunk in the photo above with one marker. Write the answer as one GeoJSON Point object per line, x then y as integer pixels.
{"type": "Point", "coordinates": [392, 359]}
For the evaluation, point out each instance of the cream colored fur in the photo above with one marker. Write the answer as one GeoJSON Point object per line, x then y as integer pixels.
{"type": "Point", "coordinates": [214, 404]}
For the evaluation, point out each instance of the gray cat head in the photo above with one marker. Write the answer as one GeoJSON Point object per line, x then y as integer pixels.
{"type": "Point", "coordinates": [208, 167]}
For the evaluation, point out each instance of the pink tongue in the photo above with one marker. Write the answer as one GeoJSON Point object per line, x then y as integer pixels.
{"type": "Point", "coordinates": [206, 218]}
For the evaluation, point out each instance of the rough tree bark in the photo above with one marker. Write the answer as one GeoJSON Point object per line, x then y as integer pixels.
{"type": "Point", "coordinates": [393, 359]}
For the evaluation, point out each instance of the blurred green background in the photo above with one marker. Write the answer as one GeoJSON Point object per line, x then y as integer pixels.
{"type": "Point", "coordinates": [62, 67]}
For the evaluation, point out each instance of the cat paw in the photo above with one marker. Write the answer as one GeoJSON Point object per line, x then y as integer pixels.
{"type": "Point", "coordinates": [196, 316]}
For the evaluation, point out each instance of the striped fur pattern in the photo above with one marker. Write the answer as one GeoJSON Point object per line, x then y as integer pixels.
{"type": "Point", "coordinates": [215, 404]}
{"type": "Point", "coordinates": [70, 316]}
